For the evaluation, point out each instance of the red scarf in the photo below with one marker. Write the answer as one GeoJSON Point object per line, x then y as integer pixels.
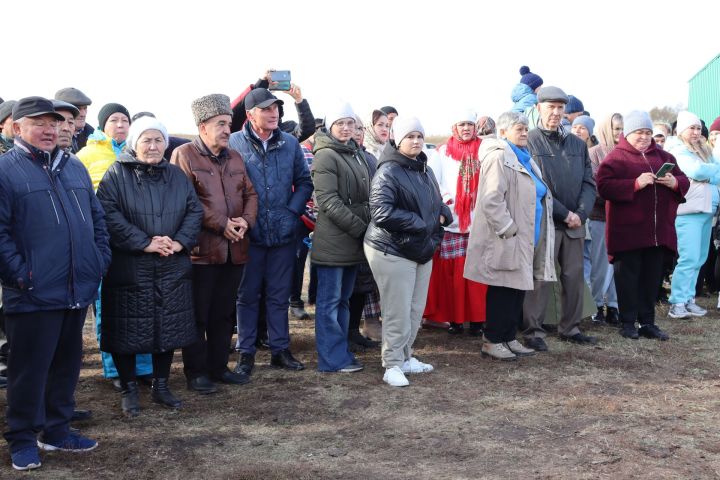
{"type": "Point", "coordinates": [466, 152]}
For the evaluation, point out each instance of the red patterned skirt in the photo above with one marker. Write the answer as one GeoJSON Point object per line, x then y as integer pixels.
{"type": "Point", "coordinates": [451, 297]}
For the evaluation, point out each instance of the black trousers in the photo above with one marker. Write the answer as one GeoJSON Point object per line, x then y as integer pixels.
{"type": "Point", "coordinates": [42, 374]}
{"type": "Point", "coordinates": [214, 291]}
{"type": "Point", "coordinates": [357, 304]}
{"type": "Point", "coordinates": [638, 277]}
{"type": "Point", "coordinates": [504, 313]}
{"type": "Point", "coordinates": [125, 364]}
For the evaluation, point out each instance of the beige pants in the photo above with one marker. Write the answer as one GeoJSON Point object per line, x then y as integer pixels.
{"type": "Point", "coordinates": [403, 286]}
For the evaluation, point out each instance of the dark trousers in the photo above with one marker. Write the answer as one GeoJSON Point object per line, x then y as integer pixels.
{"type": "Point", "coordinates": [272, 268]}
{"type": "Point", "coordinates": [42, 374]}
{"type": "Point", "coordinates": [301, 252]}
{"type": "Point", "coordinates": [357, 304]}
{"type": "Point", "coordinates": [312, 286]}
{"type": "Point", "coordinates": [214, 291]}
{"type": "Point", "coordinates": [125, 364]}
{"type": "Point", "coordinates": [504, 313]}
{"type": "Point", "coordinates": [638, 276]}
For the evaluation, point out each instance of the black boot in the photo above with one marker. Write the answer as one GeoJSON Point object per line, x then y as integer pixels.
{"type": "Point", "coordinates": [130, 402]}
{"type": "Point", "coordinates": [613, 316]}
{"type": "Point", "coordinates": [161, 394]}
{"type": "Point", "coordinates": [599, 317]}
{"type": "Point", "coordinates": [357, 338]}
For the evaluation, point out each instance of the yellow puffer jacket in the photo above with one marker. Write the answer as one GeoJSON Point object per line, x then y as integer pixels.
{"type": "Point", "coordinates": [97, 156]}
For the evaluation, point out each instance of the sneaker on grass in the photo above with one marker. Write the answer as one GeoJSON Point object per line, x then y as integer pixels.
{"type": "Point", "coordinates": [74, 442]}
{"type": "Point", "coordinates": [678, 310]}
{"type": "Point", "coordinates": [416, 366]}
{"type": "Point", "coordinates": [694, 309]}
{"type": "Point", "coordinates": [26, 459]}
{"type": "Point", "coordinates": [395, 377]}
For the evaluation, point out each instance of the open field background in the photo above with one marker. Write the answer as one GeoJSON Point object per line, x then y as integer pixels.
{"type": "Point", "coordinates": [624, 409]}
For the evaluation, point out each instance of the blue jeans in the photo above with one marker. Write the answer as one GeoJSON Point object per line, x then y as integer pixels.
{"type": "Point", "coordinates": [693, 239]}
{"type": "Point", "coordinates": [332, 316]}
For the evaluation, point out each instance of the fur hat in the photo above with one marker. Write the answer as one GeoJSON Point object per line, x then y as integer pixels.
{"type": "Point", "coordinates": [404, 126]}
{"type": "Point", "coordinates": [209, 106]}
{"type": "Point", "coordinates": [686, 120]}
{"type": "Point", "coordinates": [341, 110]}
{"type": "Point", "coordinates": [143, 124]}
{"type": "Point", "coordinates": [636, 120]}
{"type": "Point", "coordinates": [530, 79]}
{"type": "Point", "coordinates": [108, 110]}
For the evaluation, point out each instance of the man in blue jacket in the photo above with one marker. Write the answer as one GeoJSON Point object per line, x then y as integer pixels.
{"type": "Point", "coordinates": [278, 170]}
{"type": "Point", "coordinates": [53, 252]}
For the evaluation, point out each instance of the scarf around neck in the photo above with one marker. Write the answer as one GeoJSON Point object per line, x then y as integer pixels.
{"type": "Point", "coordinates": [466, 152]}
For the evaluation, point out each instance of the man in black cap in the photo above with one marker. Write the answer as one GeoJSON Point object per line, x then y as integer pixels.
{"type": "Point", "coordinates": [278, 170]}
{"type": "Point", "coordinates": [82, 129]}
{"type": "Point", "coordinates": [54, 249]}
{"type": "Point", "coordinates": [565, 164]}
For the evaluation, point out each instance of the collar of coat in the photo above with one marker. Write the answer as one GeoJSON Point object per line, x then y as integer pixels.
{"type": "Point", "coordinates": [205, 151]}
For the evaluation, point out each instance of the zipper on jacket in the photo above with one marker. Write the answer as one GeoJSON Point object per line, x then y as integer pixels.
{"type": "Point", "coordinates": [57, 217]}
{"type": "Point", "coordinates": [78, 204]}
{"type": "Point", "coordinates": [654, 200]}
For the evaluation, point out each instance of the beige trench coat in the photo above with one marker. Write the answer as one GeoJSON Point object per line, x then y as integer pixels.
{"type": "Point", "coordinates": [506, 199]}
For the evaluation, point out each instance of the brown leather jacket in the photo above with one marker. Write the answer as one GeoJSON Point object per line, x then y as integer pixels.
{"type": "Point", "coordinates": [225, 191]}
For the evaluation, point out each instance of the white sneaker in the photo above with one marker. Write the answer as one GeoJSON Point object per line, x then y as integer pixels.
{"type": "Point", "coordinates": [395, 377]}
{"type": "Point", "coordinates": [678, 310]}
{"type": "Point", "coordinates": [694, 309]}
{"type": "Point", "coordinates": [416, 366]}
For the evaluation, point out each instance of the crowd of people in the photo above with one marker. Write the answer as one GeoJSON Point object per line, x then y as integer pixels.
{"type": "Point", "coordinates": [175, 244]}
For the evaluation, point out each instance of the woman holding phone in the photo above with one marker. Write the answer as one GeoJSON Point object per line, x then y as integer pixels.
{"type": "Point", "coordinates": [641, 210]}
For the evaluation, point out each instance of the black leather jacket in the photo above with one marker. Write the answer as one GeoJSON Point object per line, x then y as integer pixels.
{"type": "Point", "coordinates": [405, 208]}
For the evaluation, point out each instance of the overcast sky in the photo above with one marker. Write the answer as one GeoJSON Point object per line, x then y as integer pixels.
{"type": "Point", "coordinates": [427, 58]}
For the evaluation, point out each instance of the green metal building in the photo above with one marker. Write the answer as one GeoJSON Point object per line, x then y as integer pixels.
{"type": "Point", "coordinates": [704, 97]}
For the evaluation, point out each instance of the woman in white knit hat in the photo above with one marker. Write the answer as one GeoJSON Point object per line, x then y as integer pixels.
{"type": "Point", "coordinates": [694, 217]}
{"type": "Point", "coordinates": [407, 220]}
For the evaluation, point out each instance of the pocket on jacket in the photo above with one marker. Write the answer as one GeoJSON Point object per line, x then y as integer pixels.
{"type": "Point", "coordinates": [503, 254]}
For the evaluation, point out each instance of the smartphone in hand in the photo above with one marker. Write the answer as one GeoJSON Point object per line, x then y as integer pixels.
{"type": "Point", "coordinates": [666, 168]}
{"type": "Point", "coordinates": [282, 77]}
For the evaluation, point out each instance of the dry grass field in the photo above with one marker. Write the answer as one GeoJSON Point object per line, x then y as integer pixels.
{"type": "Point", "coordinates": [624, 409]}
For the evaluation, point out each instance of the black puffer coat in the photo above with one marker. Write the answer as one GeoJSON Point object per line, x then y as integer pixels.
{"type": "Point", "coordinates": [147, 304]}
{"type": "Point", "coordinates": [405, 208]}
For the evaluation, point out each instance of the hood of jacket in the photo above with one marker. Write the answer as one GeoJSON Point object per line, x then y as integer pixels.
{"type": "Point", "coordinates": [623, 144]}
{"type": "Point", "coordinates": [323, 139]}
{"type": "Point", "coordinates": [520, 91]}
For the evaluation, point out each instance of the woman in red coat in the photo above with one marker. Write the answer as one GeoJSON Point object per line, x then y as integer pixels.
{"type": "Point", "coordinates": [640, 210]}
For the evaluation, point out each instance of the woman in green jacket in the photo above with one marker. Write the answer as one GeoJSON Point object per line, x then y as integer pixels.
{"type": "Point", "coordinates": [342, 189]}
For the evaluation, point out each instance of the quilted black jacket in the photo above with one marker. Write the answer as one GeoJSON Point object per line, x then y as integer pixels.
{"type": "Point", "coordinates": [147, 301]}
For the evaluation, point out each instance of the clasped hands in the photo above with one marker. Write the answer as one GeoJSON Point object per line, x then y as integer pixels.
{"type": "Point", "coordinates": [235, 229]}
{"type": "Point", "coordinates": [163, 246]}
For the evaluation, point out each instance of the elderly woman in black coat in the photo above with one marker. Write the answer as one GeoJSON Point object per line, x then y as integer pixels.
{"type": "Point", "coordinates": [153, 216]}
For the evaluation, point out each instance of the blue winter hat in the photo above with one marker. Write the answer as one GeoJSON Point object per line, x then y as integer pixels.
{"type": "Point", "coordinates": [530, 79]}
{"type": "Point", "coordinates": [586, 122]}
{"type": "Point", "coordinates": [574, 105]}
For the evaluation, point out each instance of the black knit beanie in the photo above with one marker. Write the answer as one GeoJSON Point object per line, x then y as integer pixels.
{"type": "Point", "coordinates": [108, 110]}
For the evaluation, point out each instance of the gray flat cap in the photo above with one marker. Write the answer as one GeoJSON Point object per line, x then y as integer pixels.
{"type": "Point", "coordinates": [210, 106]}
{"type": "Point", "coordinates": [60, 105]}
{"type": "Point", "coordinates": [6, 109]}
{"type": "Point", "coordinates": [74, 96]}
{"type": "Point", "coordinates": [552, 94]}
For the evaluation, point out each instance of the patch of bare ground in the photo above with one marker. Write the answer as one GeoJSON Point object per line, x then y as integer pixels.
{"type": "Point", "coordinates": [624, 409]}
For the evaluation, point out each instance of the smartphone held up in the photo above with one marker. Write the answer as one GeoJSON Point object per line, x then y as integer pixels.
{"type": "Point", "coordinates": [279, 80]}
